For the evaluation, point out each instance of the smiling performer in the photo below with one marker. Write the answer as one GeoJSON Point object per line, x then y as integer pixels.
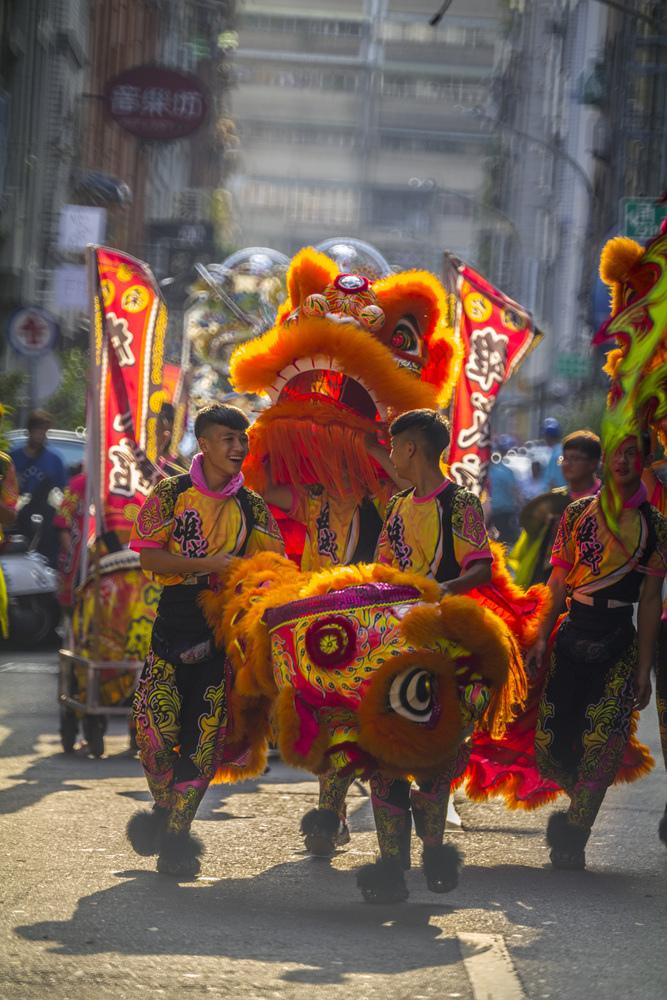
{"type": "Point", "coordinates": [187, 531]}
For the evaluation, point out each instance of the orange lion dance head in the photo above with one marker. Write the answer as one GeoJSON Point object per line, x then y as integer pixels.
{"type": "Point", "coordinates": [345, 356]}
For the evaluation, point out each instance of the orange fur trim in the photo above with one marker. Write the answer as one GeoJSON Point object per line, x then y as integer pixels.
{"type": "Point", "coordinates": [638, 757]}
{"type": "Point", "coordinates": [487, 637]}
{"type": "Point", "coordinates": [324, 581]}
{"type": "Point", "coordinates": [522, 611]}
{"type": "Point", "coordinates": [234, 613]}
{"type": "Point", "coordinates": [612, 364]}
{"type": "Point", "coordinates": [254, 364]}
{"type": "Point", "coordinates": [393, 739]}
{"type": "Point", "coordinates": [505, 788]}
{"type": "Point", "coordinates": [309, 272]}
{"type": "Point", "coordinates": [619, 256]}
{"type": "Point", "coordinates": [249, 722]}
{"type": "Point", "coordinates": [309, 445]}
{"type": "Point", "coordinates": [254, 767]}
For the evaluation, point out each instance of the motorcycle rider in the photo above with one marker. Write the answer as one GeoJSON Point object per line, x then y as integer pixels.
{"type": "Point", "coordinates": [39, 470]}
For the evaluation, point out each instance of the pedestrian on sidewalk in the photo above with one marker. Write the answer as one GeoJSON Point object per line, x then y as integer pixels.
{"type": "Point", "coordinates": [505, 495]}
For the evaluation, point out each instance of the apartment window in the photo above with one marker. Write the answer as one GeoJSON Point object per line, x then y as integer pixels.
{"type": "Point", "coordinates": [275, 24]}
{"type": "Point", "coordinates": [304, 202]}
{"type": "Point", "coordinates": [455, 35]}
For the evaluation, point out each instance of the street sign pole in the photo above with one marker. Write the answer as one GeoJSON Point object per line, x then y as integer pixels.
{"type": "Point", "coordinates": [641, 218]}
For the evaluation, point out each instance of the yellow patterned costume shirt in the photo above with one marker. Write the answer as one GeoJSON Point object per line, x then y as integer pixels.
{"type": "Point", "coordinates": [437, 536]}
{"type": "Point", "coordinates": [339, 531]}
{"type": "Point", "coordinates": [611, 565]}
{"type": "Point", "coordinates": [179, 518]}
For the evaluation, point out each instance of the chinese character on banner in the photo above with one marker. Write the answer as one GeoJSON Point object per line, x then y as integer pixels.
{"type": "Point", "coordinates": [128, 325]}
{"type": "Point", "coordinates": [497, 334]}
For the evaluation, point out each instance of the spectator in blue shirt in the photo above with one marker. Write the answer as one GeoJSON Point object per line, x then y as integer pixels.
{"type": "Point", "coordinates": [39, 470]}
{"type": "Point", "coordinates": [505, 496]}
{"type": "Point", "coordinates": [551, 433]}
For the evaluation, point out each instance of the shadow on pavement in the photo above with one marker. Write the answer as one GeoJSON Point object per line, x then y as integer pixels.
{"type": "Point", "coordinates": [283, 915]}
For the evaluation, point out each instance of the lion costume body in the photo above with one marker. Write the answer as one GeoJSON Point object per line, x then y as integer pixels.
{"type": "Point", "coordinates": [364, 676]}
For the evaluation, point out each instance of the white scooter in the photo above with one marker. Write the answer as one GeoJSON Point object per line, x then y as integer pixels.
{"type": "Point", "coordinates": [32, 588]}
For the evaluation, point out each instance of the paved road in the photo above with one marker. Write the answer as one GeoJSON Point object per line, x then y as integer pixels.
{"type": "Point", "coordinates": [83, 918]}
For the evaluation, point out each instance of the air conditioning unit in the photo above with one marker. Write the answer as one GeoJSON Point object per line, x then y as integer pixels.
{"type": "Point", "coordinates": [192, 205]}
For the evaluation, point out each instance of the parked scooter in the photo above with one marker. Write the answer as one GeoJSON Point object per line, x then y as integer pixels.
{"type": "Point", "coordinates": [32, 587]}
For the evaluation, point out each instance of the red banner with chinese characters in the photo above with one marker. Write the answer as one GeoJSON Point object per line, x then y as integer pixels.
{"type": "Point", "coordinates": [497, 335]}
{"type": "Point", "coordinates": [127, 331]}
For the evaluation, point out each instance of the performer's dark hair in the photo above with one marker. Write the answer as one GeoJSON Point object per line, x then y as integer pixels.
{"type": "Point", "coordinates": [220, 413]}
{"type": "Point", "coordinates": [38, 418]}
{"type": "Point", "coordinates": [585, 441]}
{"type": "Point", "coordinates": [429, 427]}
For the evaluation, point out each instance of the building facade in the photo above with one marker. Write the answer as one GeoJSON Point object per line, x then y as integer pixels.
{"type": "Point", "coordinates": [66, 164]}
{"type": "Point", "coordinates": [578, 115]}
{"type": "Point", "coordinates": [349, 121]}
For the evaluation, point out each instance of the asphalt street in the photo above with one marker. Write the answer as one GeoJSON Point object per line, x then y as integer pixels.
{"type": "Point", "coordinates": [83, 918]}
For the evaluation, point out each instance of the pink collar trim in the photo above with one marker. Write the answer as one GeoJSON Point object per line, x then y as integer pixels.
{"type": "Point", "coordinates": [588, 493]}
{"type": "Point", "coordinates": [199, 482]}
{"type": "Point", "coordinates": [431, 495]}
{"type": "Point", "coordinates": [638, 499]}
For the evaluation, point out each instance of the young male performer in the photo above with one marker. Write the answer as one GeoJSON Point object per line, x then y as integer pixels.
{"type": "Point", "coordinates": [188, 530]}
{"type": "Point", "coordinates": [339, 531]}
{"type": "Point", "coordinates": [600, 667]}
{"type": "Point", "coordinates": [435, 529]}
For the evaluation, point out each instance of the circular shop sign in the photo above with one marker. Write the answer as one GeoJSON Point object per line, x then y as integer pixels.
{"type": "Point", "coordinates": [155, 102]}
{"type": "Point", "coordinates": [32, 331]}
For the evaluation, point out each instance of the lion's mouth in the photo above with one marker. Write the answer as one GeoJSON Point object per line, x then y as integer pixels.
{"type": "Point", "coordinates": [319, 379]}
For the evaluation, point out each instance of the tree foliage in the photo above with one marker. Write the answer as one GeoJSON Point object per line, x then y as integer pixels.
{"type": "Point", "coordinates": [67, 405]}
{"type": "Point", "coordinates": [13, 390]}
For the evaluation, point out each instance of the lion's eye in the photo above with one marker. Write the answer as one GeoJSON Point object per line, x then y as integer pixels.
{"type": "Point", "coordinates": [406, 336]}
{"type": "Point", "coordinates": [411, 694]}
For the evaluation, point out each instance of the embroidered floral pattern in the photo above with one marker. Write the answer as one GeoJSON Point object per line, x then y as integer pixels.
{"type": "Point", "coordinates": [473, 527]}
{"type": "Point", "coordinates": [603, 735]}
{"type": "Point", "coordinates": [149, 517]}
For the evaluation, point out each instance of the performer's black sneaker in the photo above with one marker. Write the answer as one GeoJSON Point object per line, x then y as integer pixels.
{"type": "Point", "coordinates": [570, 860]}
{"type": "Point", "coordinates": [383, 882]}
{"type": "Point", "coordinates": [567, 842]}
{"type": "Point", "coordinates": [324, 831]}
{"type": "Point", "coordinates": [180, 854]}
{"type": "Point", "coordinates": [442, 866]}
